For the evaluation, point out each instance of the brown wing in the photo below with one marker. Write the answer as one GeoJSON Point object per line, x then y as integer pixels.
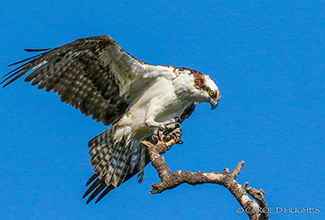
{"type": "Point", "coordinates": [88, 74]}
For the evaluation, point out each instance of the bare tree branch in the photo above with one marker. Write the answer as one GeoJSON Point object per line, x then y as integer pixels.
{"type": "Point", "coordinates": [255, 210]}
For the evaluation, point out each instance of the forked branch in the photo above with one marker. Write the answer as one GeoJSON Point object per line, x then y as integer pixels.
{"type": "Point", "coordinates": [255, 210]}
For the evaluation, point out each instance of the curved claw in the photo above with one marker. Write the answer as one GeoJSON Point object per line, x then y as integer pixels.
{"type": "Point", "coordinates": [162, 127]}
{"type": "Point", "coordinates": [180, 142]}
{"type": "Point", "coordinates": [155, 137]}
{"type": "Point", "coordinates": [177, 131]}
{"type": "Point", "coordinates": [178, 125]}
{"type": "Point", "coordinates": [177, 119]}
{"type": "Point", "coordinates": [172, 126]}
{"type": "Point", "coordinates": [160, 135]}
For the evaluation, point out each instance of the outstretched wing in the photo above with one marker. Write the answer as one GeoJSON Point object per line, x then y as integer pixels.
{"type": "Point", "coordinates": [98, 186]}
{"type": "Point", "coordinates": [92, 74]}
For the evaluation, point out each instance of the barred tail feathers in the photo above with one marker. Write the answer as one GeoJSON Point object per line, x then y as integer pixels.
{"type": "Point", "coordinates": [114, 159]}
{"type": "Point", "coordinates": [98, 186]}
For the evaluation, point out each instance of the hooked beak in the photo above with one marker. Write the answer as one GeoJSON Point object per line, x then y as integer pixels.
{"type": "Point", "coordinates": [213, 103]}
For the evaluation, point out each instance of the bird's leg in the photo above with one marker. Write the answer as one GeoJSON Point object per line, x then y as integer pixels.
{"type": "Point", "coordinates": [170, 124]}
{"type": "Point", "coordinates": [166, 125]}
{"type": "Point", "coordinates": [154, 110]}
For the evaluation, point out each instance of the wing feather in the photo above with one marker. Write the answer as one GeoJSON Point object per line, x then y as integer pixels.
{"type": "Point", "coordinates": [92, 74]}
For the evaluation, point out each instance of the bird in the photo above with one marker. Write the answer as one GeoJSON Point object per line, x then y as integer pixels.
{"type": "Point", "coordinates": [98, 77]}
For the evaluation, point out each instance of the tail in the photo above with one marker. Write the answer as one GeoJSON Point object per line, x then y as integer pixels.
{"type": "Point", "coordinates": [114, 161]}
{"type": "Point", "coordinates": [117, 162]}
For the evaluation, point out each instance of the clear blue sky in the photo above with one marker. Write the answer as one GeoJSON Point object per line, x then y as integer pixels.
{"type": "Point", "coordinates": [267, 57]}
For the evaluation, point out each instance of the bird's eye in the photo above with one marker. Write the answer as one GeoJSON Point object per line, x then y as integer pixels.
{"type": "Point", "coordinates": [211, 93]}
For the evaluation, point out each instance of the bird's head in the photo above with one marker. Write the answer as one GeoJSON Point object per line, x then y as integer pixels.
{"type": "Point", "coordinates": [206, 90]}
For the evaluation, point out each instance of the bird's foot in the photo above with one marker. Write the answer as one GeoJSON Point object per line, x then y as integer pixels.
{"type": "Point", "coordinates": [170, 125]}
{"type": "Point", "coordinates": [173, 133]}
{"type": "Point", "coordinates": [163, 142]}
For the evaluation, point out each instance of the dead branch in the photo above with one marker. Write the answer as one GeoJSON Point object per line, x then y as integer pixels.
{"type": "Point", "coordinates": [255, 210]}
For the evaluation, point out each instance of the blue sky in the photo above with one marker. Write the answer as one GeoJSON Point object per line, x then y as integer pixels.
{"type": "Point", "coordinates": [267, 57]}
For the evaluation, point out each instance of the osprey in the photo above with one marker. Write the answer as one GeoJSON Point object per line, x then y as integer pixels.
{"type": "Point", "coordinates": [101, 79]}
